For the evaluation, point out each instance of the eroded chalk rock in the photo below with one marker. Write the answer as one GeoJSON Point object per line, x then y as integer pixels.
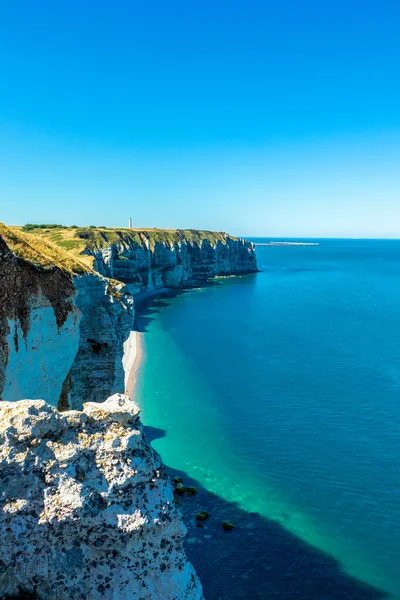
{"type": "Point", "coordinates": [86, 511]}
{"type": "Point", "coordinates": [173, 265]}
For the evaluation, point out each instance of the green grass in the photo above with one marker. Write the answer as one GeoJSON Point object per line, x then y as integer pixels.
{"type": "Point", "coordinates": [99, 238]}
{"type": "Point", "coordinates": [69, 244]}
{"type": "Point", "coordinates": [40, 251]}
{"type": "Point", "coordinates": [33, 226]}
{"type": "Point", "coordinates": [76, 240]}
{"type": "Point", "coordinates": [71, 248]}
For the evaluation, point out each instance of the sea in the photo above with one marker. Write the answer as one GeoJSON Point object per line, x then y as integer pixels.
{"type": "Point", "coordinates": [277, 395]}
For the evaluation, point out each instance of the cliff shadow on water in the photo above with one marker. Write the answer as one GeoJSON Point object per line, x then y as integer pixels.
{"type": "Point", "coordinates": [259, 559]}
{"type": "Point", "coordinates": [274, 563]}
{"type": "Point", "coordinates": [149, 304]}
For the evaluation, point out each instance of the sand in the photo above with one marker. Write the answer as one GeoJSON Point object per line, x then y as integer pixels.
{"type": "Point", "coordinates": [131, 380]}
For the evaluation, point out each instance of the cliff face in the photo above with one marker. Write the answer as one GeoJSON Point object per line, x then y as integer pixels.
{"type": "Point", "coordinates": [107, 319]}
{"type": "Point", "coordinates": [39, 327]}
{"type": "Point", "coordinates": [86, 511]}
{"type": "Point", "coordinates": [168, 263]}
{"type": "Point", "coordinates": [62, 333]}
{"type": "Point", "coordinates": [155, 258]}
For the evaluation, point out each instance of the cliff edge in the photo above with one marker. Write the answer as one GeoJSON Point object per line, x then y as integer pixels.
{"type": "Point", "coordinates": [149, 259]}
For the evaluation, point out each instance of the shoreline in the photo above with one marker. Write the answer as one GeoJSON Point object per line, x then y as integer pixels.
{"type": "Point", "coordinates": [133, 346]}
{"type": "Point", "coordinates": [130, 380]}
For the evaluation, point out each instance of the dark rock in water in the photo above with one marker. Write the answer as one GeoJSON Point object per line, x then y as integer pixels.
{"type": "Point", "coordinates": [191, 491]}
{"type": "Point", "coordinates": [177, 480]}
{"type": "Point", "coordinates": [202, 515]}
{"type": "Point", "coordinates": [227, 526]}
{"type": "Point", "coordinates": [180, 489]}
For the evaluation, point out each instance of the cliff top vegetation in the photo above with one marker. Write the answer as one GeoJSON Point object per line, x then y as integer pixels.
{"type": "Point", "coordinates": [40, 251]}
{"type": "Point", "coordinates": [75, 240]}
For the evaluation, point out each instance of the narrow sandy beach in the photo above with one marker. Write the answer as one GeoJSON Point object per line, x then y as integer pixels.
{"type": "Point", "coordinates": [133, 347]}
{"type": "Point", "coordinates": [131, 379]}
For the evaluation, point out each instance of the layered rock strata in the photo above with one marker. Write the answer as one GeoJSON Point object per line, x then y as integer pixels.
{"type": "Point", "coordinates": [171, 264]}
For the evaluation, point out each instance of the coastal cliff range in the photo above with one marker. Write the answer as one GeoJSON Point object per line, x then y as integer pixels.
{"type": "Point", "coordinates": [85, 507]}
{"type": "Point", "coordinates": [67, 301]}
{"type": "Point", "coordinates": [149, 259]}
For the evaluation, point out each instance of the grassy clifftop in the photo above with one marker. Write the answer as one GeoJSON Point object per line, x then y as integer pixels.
{"type": "Point", "coordinates": [73, 241]}
{"type": "Point", "coordinates": [40, 251]}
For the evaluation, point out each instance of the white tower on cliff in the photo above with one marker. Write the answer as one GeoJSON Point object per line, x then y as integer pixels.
{"type": "Point", "coordinates": [130, 223]}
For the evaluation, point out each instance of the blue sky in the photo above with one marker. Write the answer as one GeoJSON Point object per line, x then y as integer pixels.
{"type": "Point", "coordinates": [253, 117]}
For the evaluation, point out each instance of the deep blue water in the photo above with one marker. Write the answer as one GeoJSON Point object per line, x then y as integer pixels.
{"type": "Point", "coordinates": [278, 394]}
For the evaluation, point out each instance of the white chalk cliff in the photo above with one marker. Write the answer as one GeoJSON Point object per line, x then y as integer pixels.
{"type": "Point", "coordinates": [86, 510]}
{"type": "Point", "coordinates": [172, 261]}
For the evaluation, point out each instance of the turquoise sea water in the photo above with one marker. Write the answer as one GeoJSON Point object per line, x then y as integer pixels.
{"type": "Point", "coordinates": [278, 395]}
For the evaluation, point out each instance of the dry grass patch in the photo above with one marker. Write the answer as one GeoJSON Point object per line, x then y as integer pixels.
{"type": "Point", "coordinates": [40, 251]}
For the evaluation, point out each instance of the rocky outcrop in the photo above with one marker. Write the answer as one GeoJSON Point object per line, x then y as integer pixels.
{"type": "Point", "coordinates": [86, 509]}
{"type": "Point", "coordinates": [148, 265]}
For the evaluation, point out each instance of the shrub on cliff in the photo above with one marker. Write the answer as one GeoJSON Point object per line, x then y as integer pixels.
{"type": "Point", "coordinates": [32, 226]}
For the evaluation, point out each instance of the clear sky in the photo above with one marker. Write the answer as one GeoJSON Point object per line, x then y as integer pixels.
{"type": "Point", "coordinates": [255, 117]}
